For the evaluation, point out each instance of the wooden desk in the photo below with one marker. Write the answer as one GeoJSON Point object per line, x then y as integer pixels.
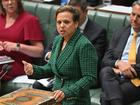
{"type": "Point", "coordinates": [28, 96]}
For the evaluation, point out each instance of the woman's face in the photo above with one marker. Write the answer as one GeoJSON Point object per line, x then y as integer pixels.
{"type": "Point", "coordinates": [65, 24]}
{"type": "Point", "coordinates": [10, 6]}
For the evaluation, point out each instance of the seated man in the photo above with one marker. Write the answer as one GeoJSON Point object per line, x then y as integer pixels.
{"type": "Point", "coordinates": [121, 64]}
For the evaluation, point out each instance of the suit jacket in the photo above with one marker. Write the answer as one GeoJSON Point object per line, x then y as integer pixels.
{"type": "Point", "coordinates": [74, 68]}
{"type": "Point", "coordinates": [116, 48]}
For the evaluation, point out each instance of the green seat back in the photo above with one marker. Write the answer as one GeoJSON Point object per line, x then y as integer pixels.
{"type": "Point", "coordinates": [43, 12]}
{"type": "Point", "coordinates": [116, 22]}
{"type": "Point", "coordinates": [30, 6]}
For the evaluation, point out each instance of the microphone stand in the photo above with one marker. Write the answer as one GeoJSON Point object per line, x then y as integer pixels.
{"type": "Point", "coordinates": [3, 75]}
{"type": "Point", "coordinates": [5, 68]}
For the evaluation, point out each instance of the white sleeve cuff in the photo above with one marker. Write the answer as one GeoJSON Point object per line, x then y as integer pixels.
{"type": "Point", "coordinates": [46, 57]}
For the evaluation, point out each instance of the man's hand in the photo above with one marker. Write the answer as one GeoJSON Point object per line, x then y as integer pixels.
{"type": "Point", "coordinates": [117, 71]}
{"type": "Point", "coordinates": [134, 71]}
{"type": "Point", "coordinates": [126, 69]}
{"type": "Point", "coordinates": [123, 65]}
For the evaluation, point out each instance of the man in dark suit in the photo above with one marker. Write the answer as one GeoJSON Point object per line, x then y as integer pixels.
{"type": "Point", "coordinates": [120, 76]}
{"type": "Point", "coordinates": [123, 2]}
{"type": "Point", "coordinates": [94, 32]}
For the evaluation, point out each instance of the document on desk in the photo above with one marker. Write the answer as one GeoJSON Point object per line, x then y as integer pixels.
{"type": "Point", "coordinates": [23, 79]}
{"type": "Point", "coordinates": [116, 8]}
{"type": "Point", "coordinates": [6, 59]}
{"type": "Point", "coordinates": [46, 81]}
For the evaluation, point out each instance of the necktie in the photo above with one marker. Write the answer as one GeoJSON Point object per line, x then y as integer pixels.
{"type": "Point", "coordinates": [132, 58]}
{"type": "Point", "coordinates": [132, 51]}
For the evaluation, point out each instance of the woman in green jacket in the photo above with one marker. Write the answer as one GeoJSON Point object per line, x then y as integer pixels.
{"type": "Point", "coordinates": [73, 61]}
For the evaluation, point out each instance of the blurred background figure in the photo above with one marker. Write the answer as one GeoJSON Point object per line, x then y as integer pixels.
{"type": "Point", "coordinates": [123, 2]}
{"type": "Point", "coordinates": [20, 38]}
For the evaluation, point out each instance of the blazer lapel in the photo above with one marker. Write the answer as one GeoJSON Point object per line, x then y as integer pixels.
{"type": "Point", "coordinates": [55, 56]}
{"type": "Point", "coordinates": [64, 55]}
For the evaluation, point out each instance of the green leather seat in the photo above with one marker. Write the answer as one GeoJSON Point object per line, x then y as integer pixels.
{"type": "Point", "coordinates": [30, 6]}
{"type": "Point", "coordinates": [43, 11]}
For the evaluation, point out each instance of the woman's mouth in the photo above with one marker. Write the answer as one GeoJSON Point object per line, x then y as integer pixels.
{"type": "Point", "coordinates": [62, 31]}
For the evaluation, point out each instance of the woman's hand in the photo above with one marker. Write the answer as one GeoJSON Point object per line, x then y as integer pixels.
{"type": "Point", "coordinates": [59, 95]}
{"type": "Point", "coordinates": [1, 46]}
{"type": "Point", "coordinates": [9, 46]}
{"type": "Point", "coordinates": [28, 68]}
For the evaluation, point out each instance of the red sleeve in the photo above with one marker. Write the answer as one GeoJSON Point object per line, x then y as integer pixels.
{"type": "Point", "coordinates": [32, 29]}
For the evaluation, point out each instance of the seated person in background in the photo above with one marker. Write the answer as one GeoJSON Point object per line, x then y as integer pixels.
{"type": "Point", "coordinates": [93, 2]}
{"type": "Point", "coordinates": [73, 61]}
{"type": "Point", "coordinates": [20, 38]}
{"type": "Point", "coordinates": [123, 2]}
{"type": "Point", "coordinates": [121, 64]}
{"type": "Point", "coordinates": [94, 32]}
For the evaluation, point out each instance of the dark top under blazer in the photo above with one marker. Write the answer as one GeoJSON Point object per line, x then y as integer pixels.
{"type": "Point", "coordinates": [116, 48]}
{"type": "Point", "coordinates": [75, 68]}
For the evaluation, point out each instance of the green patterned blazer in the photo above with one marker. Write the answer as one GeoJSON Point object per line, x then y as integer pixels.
{"type": "Point", "coordinates": [75, 68]}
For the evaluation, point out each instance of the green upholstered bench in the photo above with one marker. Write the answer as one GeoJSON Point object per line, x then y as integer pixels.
{"type": "Point", "coordinates": [110, 21]}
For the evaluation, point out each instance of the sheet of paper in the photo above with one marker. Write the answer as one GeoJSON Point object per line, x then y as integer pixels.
{"type": "Point", "coordinates": [45, 82]}
{"type": "Point", "coordinates": [5, 59]}
{"type": "Point", "coordinates": [116, 8]}
{"type": "Point", "coordinates": [23, 79]}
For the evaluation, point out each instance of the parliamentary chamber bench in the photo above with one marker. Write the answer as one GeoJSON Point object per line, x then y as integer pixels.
{"type": "Point", "coordinates": [111, 21]}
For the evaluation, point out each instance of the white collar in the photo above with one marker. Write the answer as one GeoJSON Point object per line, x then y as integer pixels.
{"type": "Point", "coordinates": [82, 27]}
{"type": "Point", "coordinates": [132, 31]}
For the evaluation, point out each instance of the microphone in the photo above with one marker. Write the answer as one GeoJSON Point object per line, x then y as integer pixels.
{"type": "Point", "coordinates": [5, 68]}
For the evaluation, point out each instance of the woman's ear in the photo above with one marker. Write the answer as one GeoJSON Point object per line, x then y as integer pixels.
{"type": "Point", "coordinates": [76, 24]}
